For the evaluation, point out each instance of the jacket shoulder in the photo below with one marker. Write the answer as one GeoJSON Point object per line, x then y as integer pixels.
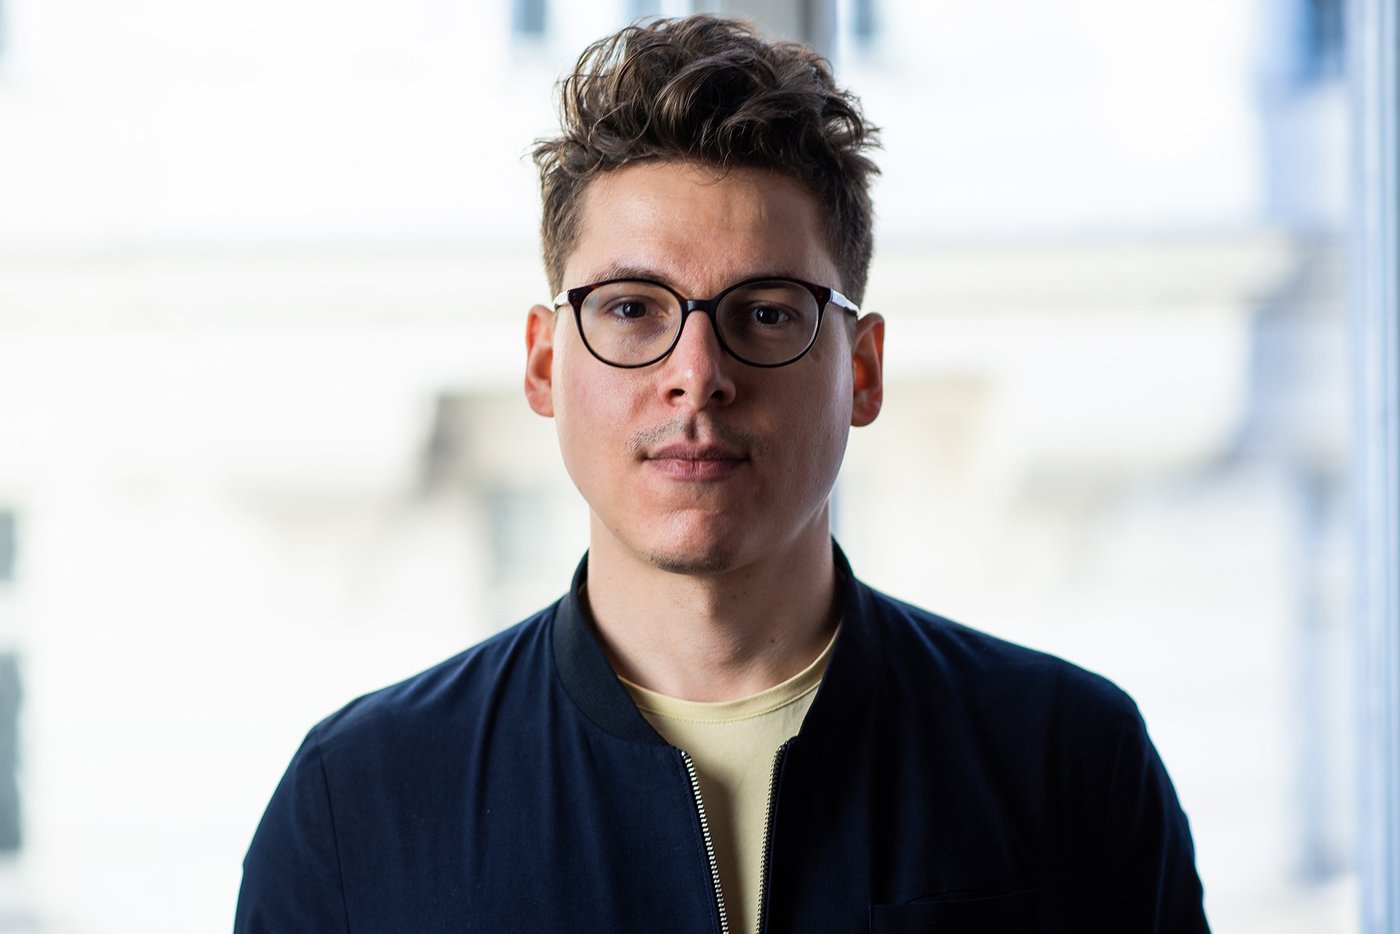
{"type": "Point", "coordinates": [1060, 748]}
{"type": "Point", "coordinates": [988, 670]}
{"type": "Point", "coordinates": [452, 694]}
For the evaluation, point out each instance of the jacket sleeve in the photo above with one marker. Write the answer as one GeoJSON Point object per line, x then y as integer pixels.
{"type": "Point", "coordinates": [291, 875]}
{"type": "Point", "coordinates": [1148, 880]}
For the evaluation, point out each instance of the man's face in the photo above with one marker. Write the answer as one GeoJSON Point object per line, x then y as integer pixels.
{"type": "Point", "coordinates": [701, 463]}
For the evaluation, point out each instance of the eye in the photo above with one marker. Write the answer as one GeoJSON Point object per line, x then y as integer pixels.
{"type": "Point", "coordinates": [632, 308]}
{"type": "Point", "coordinates": [767, 309]}
{"type": "Point", "coordinates": [769, 315]}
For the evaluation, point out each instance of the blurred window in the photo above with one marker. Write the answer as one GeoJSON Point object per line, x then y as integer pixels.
{"type": "Point", "coordinates": [9, 545]}
{"type": "Point", "coordinates": [863, 22]}
{"type": "Point", "coordinates": [529, 18]}
{"type": "Point", "coordinates": [514, 516]}
{"type": "Point", "coordinates": [637, 9]}
{"type": "Point", "coordinates": [1322, 39]}
{"type": "Point", "coordinates": [9, 753]}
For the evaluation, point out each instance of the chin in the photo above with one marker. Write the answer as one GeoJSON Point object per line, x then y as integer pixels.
{"type": "Point", "coordinates": [684, 562]}
{"type": "Point", "coordinates": [698, 552]}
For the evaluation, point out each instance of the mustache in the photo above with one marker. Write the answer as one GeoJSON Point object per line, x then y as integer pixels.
{"type": "Point", "coordinates": [689, 430]}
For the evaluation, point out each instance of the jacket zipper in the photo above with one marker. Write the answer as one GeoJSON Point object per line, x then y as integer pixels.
{"type": "Point", "coordinates": [768, 836]}
{"type": "Point", "coordinates": [709, 841]}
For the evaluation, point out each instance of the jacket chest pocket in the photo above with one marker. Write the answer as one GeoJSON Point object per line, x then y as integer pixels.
{"type": "Point", "coordinates": [1016, 913]}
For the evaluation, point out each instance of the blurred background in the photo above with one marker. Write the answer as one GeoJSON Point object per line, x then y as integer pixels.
{"type": "Point", "coordinates": [264, 269]}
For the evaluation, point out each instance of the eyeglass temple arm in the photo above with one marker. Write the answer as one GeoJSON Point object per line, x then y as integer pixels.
{"type": "Point", "coordinates": [843, 302]}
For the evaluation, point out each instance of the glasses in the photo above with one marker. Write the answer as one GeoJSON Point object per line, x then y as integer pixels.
{"type": "Point", "coordinates": [767, 322]}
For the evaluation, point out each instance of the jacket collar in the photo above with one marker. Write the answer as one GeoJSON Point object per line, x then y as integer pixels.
{"type": "Point", "coordinates": [590, 682]}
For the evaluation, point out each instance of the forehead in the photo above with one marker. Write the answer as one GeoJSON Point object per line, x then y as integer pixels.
{"type": "Point", "coordinates": [698, 229]}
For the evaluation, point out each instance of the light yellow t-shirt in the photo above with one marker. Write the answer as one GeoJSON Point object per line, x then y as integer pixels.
{"type": "Point", "coordinates": [733, 744]}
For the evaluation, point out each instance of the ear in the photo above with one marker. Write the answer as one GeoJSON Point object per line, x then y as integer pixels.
{"type": "Point", "coordinates": [867, 364]}
{"type": "Point", "coordinates": [539, 360]}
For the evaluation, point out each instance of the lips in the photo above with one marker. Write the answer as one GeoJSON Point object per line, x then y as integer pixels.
{"type": "Point", "coordinates": [696, 461]}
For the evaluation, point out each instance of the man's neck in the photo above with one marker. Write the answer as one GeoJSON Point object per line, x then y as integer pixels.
{"type": "Point", "coordinates": [717, 636]}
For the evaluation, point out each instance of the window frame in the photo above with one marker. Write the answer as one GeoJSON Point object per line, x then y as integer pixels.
{"type": "Point", "coordinates": [1375, 322]}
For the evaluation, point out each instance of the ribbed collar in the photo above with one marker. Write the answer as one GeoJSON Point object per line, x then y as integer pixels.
{"type": "Point", "coordinates": [591, 683]}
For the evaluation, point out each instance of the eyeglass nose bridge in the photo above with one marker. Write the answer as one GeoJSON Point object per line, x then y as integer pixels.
{"type": "Point", "coordinates": [709, 307]}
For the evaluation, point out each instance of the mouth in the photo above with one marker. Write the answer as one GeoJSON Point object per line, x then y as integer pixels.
{"type": "Point", "coordinates": [695, 461]}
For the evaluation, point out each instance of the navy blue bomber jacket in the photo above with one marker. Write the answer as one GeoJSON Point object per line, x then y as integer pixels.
{"type": "Point", "coordinates": [943, 780]}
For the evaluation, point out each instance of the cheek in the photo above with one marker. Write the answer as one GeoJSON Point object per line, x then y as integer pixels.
{"type": "Point", "coordinates": [592, 416]}
{"type": "Point", "coordinates": [827, 446]}
{"type": "Point", "coordinates": [825, 400]}
{"type": "Point", "coordinates": [830, 418]}
{"type": "Point", "coordinates": [816, 421]}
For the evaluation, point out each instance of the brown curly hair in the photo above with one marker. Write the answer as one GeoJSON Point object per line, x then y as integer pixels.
{"type": "Point", "coordinates": [708, 90]}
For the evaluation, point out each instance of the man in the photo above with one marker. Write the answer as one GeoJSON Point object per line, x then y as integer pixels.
{"type": "Point", "coordinates": [719, 728]}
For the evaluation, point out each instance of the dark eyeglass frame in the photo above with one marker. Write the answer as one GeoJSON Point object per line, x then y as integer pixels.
{"type": "Point", "coordinates": [824, 295]}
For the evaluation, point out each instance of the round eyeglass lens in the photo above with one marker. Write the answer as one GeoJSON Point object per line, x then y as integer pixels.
{"type": "Point", "coordinates": [630, 322]}
{"type": "Point", "coordinates": [768, 322]}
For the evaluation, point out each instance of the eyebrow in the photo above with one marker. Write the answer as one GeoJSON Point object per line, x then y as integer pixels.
{"type": "Point", "coordinates": [625, 271]}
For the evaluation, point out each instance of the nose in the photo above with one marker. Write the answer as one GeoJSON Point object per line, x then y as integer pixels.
{"type": "Point", "coordinates": [698, 372]}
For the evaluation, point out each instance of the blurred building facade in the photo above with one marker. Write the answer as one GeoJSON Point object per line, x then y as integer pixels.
{"type": "Point", "coordinates": [263, 275]}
